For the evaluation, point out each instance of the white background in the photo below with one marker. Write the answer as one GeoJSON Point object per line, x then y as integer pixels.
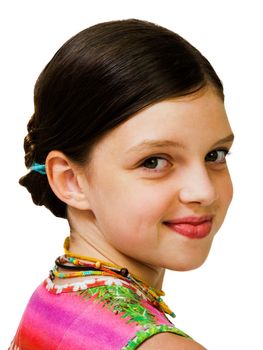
{"type": "Point", "coordinates": [219, 304]}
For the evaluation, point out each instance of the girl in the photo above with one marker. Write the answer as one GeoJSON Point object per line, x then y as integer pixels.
{"type": "Point", "coordinates": [128, 142]}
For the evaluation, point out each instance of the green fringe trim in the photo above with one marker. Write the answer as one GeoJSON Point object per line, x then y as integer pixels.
{"type": "Point", "coordinates": [142, 335]}
{"type": "Point", "coordinates": [119, 299]}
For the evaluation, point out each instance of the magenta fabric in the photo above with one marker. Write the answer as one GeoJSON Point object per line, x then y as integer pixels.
{"type": "Point", "coordinates": [57, 319]}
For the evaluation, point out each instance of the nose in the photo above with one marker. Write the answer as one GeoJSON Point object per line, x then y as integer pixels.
{"type": "Point", "coordinates": [198, 187]}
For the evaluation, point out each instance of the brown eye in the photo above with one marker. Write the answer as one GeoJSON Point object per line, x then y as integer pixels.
{"type": "Point", "coordinates": [155, 163]}
{"type": "Point", "coordinates": [151, 163]}
{"type": "Point", "coordinates": [217, 156]}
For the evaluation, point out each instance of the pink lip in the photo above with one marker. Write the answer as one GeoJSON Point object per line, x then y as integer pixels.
{"type": "Point", "coordinates": [192, 226]}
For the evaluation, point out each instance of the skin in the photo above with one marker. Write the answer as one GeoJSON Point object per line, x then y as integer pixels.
{"type": "Point", "coordinates": [154, 167]}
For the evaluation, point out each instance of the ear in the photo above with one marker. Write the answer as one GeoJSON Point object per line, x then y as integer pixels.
{"type": "Point", "coordinates": [64, 179]}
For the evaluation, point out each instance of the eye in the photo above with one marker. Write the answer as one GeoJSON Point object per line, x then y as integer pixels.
{"type": "Point", "coordinates": [155, 163]}
{"type": "Point", "coordinates": [217, 156]}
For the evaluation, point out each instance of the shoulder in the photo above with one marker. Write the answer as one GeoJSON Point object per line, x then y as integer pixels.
{"type": "Point", "coordinates": [170, 341]}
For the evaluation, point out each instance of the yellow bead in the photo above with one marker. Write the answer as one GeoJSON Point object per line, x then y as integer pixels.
{"type": "Point", "coordinates": [98, 264]}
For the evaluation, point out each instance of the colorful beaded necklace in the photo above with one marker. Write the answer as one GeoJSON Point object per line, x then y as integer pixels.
{"type": "Point", "coordinates": [80, 266]}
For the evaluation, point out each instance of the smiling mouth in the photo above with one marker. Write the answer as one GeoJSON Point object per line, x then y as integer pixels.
{"type": "Point", "coordinates": [194, 230]}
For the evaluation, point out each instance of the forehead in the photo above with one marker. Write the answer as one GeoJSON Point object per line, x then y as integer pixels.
{"type": "Point", "coordinates": [183, 120]}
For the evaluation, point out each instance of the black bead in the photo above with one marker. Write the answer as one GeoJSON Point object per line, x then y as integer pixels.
{"type": "Point", "coordinates": [124, 272]}
{"type": "Point", "coordinates": [51, 275]}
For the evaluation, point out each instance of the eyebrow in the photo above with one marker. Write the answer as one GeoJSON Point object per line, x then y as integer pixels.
{"type": "Point", "coordinates": [228, 138]}
{"type": "Point", "coordinates": [151, 144]}
{"type": "Point", "coordinates": [154, 144]}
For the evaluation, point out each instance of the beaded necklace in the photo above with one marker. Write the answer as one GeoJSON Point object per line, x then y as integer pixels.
{"type": "Point", "coordinates": [80, 266]}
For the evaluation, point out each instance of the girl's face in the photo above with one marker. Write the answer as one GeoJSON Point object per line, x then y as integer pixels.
{"type": "Point", "coordinates": [164, 164]}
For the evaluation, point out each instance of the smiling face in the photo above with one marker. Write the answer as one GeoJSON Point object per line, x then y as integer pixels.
{"type": "Point", "coordinates": [165, 163]}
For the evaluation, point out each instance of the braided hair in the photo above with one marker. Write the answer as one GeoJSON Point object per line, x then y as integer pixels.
{"type": "Point", "coordinates": [36, 183]}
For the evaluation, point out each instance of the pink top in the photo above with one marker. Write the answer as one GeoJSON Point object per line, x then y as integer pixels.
{"type": "Point", "coordinates": [102, 312]}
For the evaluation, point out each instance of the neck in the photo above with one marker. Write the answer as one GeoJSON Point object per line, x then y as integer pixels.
{"type": "Point", "coordinates": [88, 241]}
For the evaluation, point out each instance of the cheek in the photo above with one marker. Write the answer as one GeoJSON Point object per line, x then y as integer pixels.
{"type": "Point", "coordinates": [129, 209]}
{"type": "Point", "coordinates": [227, 190]}
{"type": "Point", "coordinates": [150, 202]}
{"type": "Point", "coordinates": [141, 207]}
{"type": "Point", "coordinates": [225, 194]}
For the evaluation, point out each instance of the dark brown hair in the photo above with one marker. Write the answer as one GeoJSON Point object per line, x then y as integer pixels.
{"type": "Point", "coordinates": [98, 79]}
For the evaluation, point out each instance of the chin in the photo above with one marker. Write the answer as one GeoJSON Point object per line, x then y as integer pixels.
{"type": "Point", "coordinates": [186, 264]}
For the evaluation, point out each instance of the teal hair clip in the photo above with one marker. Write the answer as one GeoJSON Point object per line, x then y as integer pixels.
{"type": "Point", "coordinates": [39, 168]}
